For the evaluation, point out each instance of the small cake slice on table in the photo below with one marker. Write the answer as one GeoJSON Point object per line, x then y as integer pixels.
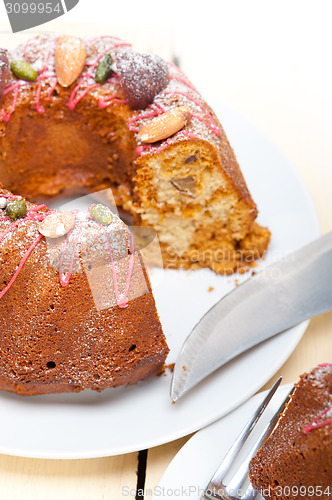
{"type": "Point", "coordinates": [296, 460]}
{"type": "Point", "coordinates": [80, 115]}
{"type": "Point", "coordinates": [76, 306]}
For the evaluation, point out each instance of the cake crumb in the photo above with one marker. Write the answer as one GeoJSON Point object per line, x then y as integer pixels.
{"type": "Point", "coordinates": [211, 288]}
{"type": "Point", "coordinates": [169, 367]}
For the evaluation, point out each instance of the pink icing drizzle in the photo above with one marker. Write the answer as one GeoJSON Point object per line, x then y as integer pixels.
{"type": "Point", "coordinates": [211, 124]}
{"type": "Point", "coordinates": [39, 107]}
{"type": "Point", "coordinates": [6, 116]}
{"type": "Point", "coordinates": [30, 215]}
{"type": "Point", "coordinates": [26, 48]}
{"type": "Point", "coordinates": [72, 102]}
{"type": "Point", "coordinates": [164, 144]}
{"type": "Point", "coordinates": [48, 97]}
{"type": "Point", "coordinates": [34, 215]}
{"type": "Point", "coordinates": [317, 422]}
{"type": "Point", "coordinates": [65, 278]}
{"type": "Point", "coordinates": [150, 114]}
{"type": "Point", "coordinates": [76, 96]}
{"type": "Point", "coordinates": [183, 81]}
{"type": "Point", "coordinates": [21, 264]}
{"type": "Point", "coordinates": [121, 298]}
{"type": "Point", "coordinates": [104, 103]}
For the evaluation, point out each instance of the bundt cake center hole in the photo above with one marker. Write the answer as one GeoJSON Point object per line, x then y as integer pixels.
{"type": "Point", "coordinates": [132, 347]}
{"type": "Point", "coordinates": [50, 364]}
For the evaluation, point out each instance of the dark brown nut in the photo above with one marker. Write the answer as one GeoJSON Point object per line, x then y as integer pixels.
{"type": "Point", "coordinates": [185, 185]}
{"type": "Point", "coordinates": [142, 77]}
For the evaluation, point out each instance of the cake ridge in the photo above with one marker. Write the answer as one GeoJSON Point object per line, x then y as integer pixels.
{"type": "Point", "coordinates": [66, 336]}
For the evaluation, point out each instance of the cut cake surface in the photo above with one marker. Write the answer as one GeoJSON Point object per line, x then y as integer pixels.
{"type": "Point", "coordinates": [80, 312]}
{"type": "Point", "coordinates": [298, 454]}
{"type": "Point", "coordinates": [58, 141]}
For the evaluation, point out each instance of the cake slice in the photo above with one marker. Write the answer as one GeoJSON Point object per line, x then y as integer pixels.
{"type": "Point", "coordinates": [76, 305]}
{"type": "Point", "coordinates": [296, 460]}
{"type": "Point", "coordinates": [80, 115]}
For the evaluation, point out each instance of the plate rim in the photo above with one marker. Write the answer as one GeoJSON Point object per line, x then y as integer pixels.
{"type": "Point", "coordinates": [258, 397]}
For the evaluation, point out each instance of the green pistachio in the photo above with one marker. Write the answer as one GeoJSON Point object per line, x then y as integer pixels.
{"type": "Point", "coordinates": [16, 209]}
{"type": "Point", "coordinates": [104, 69]}
{"type": "Point", "coordinates": [23, 70]}
{"type": "Point", "coordinates": [102, 214]}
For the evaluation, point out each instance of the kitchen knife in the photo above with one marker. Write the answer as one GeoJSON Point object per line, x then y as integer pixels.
{"type": "Point", "coordinates": [280, 296]}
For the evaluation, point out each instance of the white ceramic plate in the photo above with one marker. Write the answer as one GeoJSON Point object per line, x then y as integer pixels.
{"type": "Point", "coordinates": [192, 468]}
{"type": "Point", "coordinates": [123, 420]}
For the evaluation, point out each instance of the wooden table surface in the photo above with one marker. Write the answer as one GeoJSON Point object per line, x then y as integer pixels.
{"type": "Point", "coordinates": [271, 62]}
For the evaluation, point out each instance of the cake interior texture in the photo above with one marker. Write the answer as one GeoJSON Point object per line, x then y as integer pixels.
{"type": "Point", "coordinates": [297, 457]}
{"type": "Point", "coordinates": [58, 141]}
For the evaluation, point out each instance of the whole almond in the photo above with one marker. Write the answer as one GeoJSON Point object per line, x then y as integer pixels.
{"type": "Point", "coordinates": [165, 125]}
{"type": "Point", "coordinates": [57, 224]}
{"type": "Point", "coordinates": [70, 55]}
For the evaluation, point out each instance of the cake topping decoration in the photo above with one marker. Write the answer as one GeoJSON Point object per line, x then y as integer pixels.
{"type": "Point", "coordinates": [3, 202]}
{"type": "Point", "coordinates": [70, 56]}
{"type": "Point", "coordinates": [102, 214]}
{"type": "Point", "coordinates": [121, 298]}
{"type": "Point", "coordinates": [319, 421]}
{"type": "Point", "coordinates": [23, 70]}
{"type": "Point", "coordinates": [4, 70]}
{"type": "Point", "coordinates": [16, 209]}
{"type": "Point", "coordinates": [165, 125]}
{"type": "Point", "coordinates": [57, 224]}
{"type": "Point", "coordinates": [104, 69]}
{"type": "Point", "coordinates": [142, 77]}
{"type": "Point", "coordinates": [34, 215]}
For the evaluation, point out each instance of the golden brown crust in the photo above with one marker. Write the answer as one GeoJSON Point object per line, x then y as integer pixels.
{"type": "Point", "coordinates": [59, 339]}
{"type": "Point", "coordinates": [85, 138]}
{"type": "Point", "coordinates": [292, 458]}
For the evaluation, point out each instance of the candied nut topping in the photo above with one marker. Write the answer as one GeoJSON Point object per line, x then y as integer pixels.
{"type": "Point", "coordinates": [70, 55]}
{"type": "Point", "coordinates": [57, 224]}
{"type": "Point", "coordinates": [142, 77]}
{"type": "Point", "coordinates": [165, 125]}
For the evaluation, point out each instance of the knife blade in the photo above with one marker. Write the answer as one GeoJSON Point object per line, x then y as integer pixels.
{"type": "Point", "coordinates": [280, 296]}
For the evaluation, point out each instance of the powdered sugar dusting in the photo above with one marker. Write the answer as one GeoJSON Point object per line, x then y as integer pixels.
{"type": "Point", "coordinates": [87, 242]}
{"type": "Point", "coordinates": [142, 77]}
{"type": "Point", "coordinates": [70, 55]}
{"type": "Point", "coordinates": [4, 70]}
{"type": "Point", "coordinates": [179, 91]}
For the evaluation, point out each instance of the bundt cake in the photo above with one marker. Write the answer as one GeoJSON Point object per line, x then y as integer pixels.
{"type": "Point", "coordinates": [82, 115]}
{"type": "Point", "coordinates": [296, 460]}
{"type": "Point", "coordinates": [76, 306]}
